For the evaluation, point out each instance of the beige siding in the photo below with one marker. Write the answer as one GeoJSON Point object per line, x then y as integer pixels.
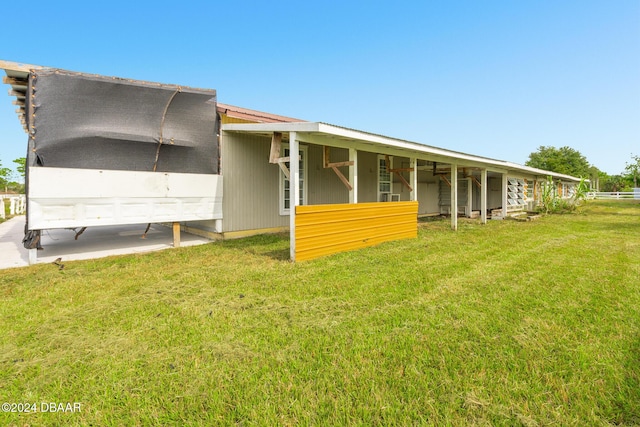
{"type": "Point", "coordinates": [251, 184]}
{"type": "Point", "coordinates": [323, 185]}
{"type": "Point", "coordinates": [367, 177]}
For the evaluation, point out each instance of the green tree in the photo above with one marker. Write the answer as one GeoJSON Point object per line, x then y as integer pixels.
{"type": "Point", "coordinates": [563, 160]}
{"type": "Point", "coordinates": [5, 176]}
{"type": "Point", "coordinates": [21, 166]}
{"type": "Point", "coordinates": [612, 183]}
{"type": "Point", "coordinates": [633, 170]}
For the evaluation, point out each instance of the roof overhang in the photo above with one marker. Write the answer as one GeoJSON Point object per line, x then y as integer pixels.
{"type": "Point", "coordinates": [17, 76]}
{"type": "Point", "coordinates": [336, 136]}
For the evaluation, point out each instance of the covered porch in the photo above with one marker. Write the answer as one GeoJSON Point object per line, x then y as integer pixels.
{"type": "Point", "coordinates": [356, 189]}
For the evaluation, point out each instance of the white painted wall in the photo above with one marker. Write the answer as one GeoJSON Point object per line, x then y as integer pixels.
{"type": "Point", "coordinates": [67, 198]}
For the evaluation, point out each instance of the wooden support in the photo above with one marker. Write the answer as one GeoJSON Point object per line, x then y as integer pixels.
{"type": "Point", "coordinates": [444, 178]}
{"type": "Point", "coordinates": [326, 163]}
{"type": "Point", "coordinates": [398, 171]}
{"type": "Point", "coordinates": [176, 234]}
{"type": "Point", "coordinates": [276, 142]}
{"type": "Point", "coordinates": [274, 154]}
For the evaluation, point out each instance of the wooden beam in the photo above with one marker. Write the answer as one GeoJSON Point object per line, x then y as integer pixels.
{"type": "Point", "coordinates": [15, 82]}
{"type": "Point", "coordinates": [404, 181]}
{"type": "Point", "coordinates": [326, 163]}
{"type": "Point", "coordinates": [344, 180]}
{"type": "Point", "coordinates": [444, 178]}
{"type": "Point", "coordinates": [276, 142]}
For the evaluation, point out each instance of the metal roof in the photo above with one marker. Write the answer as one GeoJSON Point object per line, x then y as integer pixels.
{"type": "Point", "coordinates": [332, 135]}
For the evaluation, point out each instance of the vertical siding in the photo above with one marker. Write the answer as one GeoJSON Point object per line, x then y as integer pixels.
{"type": "Point", "coordinates": [251, 184]}
{"type": "Point", "coordinates": [323, 185]}
{"type": "Point", "coordinates": [367, 177]}
{"type": "Point", "coordinates": [326, 229]}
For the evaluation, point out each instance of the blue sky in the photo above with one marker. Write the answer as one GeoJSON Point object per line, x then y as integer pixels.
{"type": "Point", "coordinates": [491, 78]}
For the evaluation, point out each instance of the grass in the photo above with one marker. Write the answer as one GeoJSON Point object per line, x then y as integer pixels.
{"type": "Point", "coordinates": [511, 323]}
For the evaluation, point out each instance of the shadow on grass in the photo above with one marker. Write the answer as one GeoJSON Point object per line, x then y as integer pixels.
{"type": "Point", "coordinates": [274, 246]}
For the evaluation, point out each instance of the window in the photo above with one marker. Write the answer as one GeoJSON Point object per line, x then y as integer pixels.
{"type": "Point", "coordinates": [285, 184]}
{"type": "Point", "coordinates": [529, 187]}
{"type": "Point", "coordinates": [384, 179]}
{"type": "Point", "coordinates": [516, 196]}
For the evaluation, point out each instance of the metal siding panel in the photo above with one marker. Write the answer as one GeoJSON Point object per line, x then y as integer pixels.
{"type": "Point", "coordinates": [66, 198]}
{"type": "Point", "coordinates": [367, 177]}
{"type": "Point", "coordinates": [323, 185]}
{"type": "Point", "coordinates": [326, 229]}
{"type": "Point", "coordinates": [251, 184]}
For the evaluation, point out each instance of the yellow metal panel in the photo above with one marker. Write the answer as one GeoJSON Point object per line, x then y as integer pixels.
{"type": "Point", "coordinates": [326, 229]}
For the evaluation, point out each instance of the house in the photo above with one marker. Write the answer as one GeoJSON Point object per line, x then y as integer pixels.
{"type": "Point", "coordinates": [104, 151]}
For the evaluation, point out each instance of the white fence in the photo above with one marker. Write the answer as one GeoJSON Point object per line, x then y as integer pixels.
{"type": "Point", "coordinates": [17, 205]}
{"type": "Point", "coordinates": [615, 195]}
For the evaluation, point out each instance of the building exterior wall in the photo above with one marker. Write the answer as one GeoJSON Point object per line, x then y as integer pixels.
{"type": "Point", "coordinates": [367, 177]}
{"type": "Point", "coordinates": [323, 185]}
{"type": "Point", "coordinates": [251, 184]}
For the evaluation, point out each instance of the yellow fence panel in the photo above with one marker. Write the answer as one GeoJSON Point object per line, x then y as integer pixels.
{"type": "Point", "coordinates": [326, 229]}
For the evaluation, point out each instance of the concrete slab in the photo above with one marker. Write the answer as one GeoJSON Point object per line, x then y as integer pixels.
{"type": "Point", "coordinates": [94, 242]}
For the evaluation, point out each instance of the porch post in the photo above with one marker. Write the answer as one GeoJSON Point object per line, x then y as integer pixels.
{"type": "Point", "coordinates": [454, 196]}
{"type": "Point", "coordinates": [505, 194]}
{"type": "Point", "coordinates": [413, 179]}
{"type": "Point", "coordinates": [294, 190]}
{"type": "Point", "coordinates": [353, 175]}
{"type": "Point", "coordinates": [469, 197]}
{"type": "Point", "coordinates": [176, 234]}
{"type": "Point", "coordinates": [483, 196]}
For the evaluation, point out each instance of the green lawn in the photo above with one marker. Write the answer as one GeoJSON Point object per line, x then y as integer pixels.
{"type": "Point", "coordinates": [512, 323]}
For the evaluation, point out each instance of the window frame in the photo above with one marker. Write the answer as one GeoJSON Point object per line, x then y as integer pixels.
{"type": "Point", "coordinates": [303, 149]}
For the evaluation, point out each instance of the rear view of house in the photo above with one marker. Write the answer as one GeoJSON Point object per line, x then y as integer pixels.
{"type": "Point", "coordinates": [105, 151]}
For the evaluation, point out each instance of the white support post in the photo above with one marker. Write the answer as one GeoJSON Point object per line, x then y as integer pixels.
{"type": "Point", "coordinates": [413, 179]}
{"type": "Point", "coordinates": [483, 196]}
{"type": "Point", "coordinates": [454, 196]}
{"type": "Point", "coordinates": [469, 196]}
{"type": "Point", "coordinates": [33, 256]}
{"type": "Point", "coordinates": [294, 188]}
{"type": "Point", "coordinates": [505, 195]}
{"type": "Point", "coordinates": [353, 175]}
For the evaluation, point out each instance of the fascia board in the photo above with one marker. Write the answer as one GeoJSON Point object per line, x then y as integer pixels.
{"type": "Point", "coordinates": [313, 132]}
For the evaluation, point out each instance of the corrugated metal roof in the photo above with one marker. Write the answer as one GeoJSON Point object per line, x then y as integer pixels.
{"type": "Point", "coordinates": [332, 134]}
{"type": "Point", "coordinates": [253, 115]}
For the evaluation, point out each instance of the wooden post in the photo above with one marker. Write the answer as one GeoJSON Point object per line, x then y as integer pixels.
{"type": "Point", "coordinates": [176, 234]}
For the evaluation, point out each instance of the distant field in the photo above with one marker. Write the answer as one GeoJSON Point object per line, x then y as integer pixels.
{"type": "Point", "coordinates": [511, 323]}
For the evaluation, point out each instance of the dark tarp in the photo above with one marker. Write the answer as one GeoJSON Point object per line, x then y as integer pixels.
{"type": "Point", "coordinates": [95, 122]}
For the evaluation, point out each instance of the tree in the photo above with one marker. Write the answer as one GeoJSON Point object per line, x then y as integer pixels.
{"type": "Point", "coordinates": [563, 160]}
{"type": "Point", "coordinates": [21, 166]}
{"type": "Point", "coordinates": [633, 170]}
{"type": "Point", "coordinates": [5, 176]}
